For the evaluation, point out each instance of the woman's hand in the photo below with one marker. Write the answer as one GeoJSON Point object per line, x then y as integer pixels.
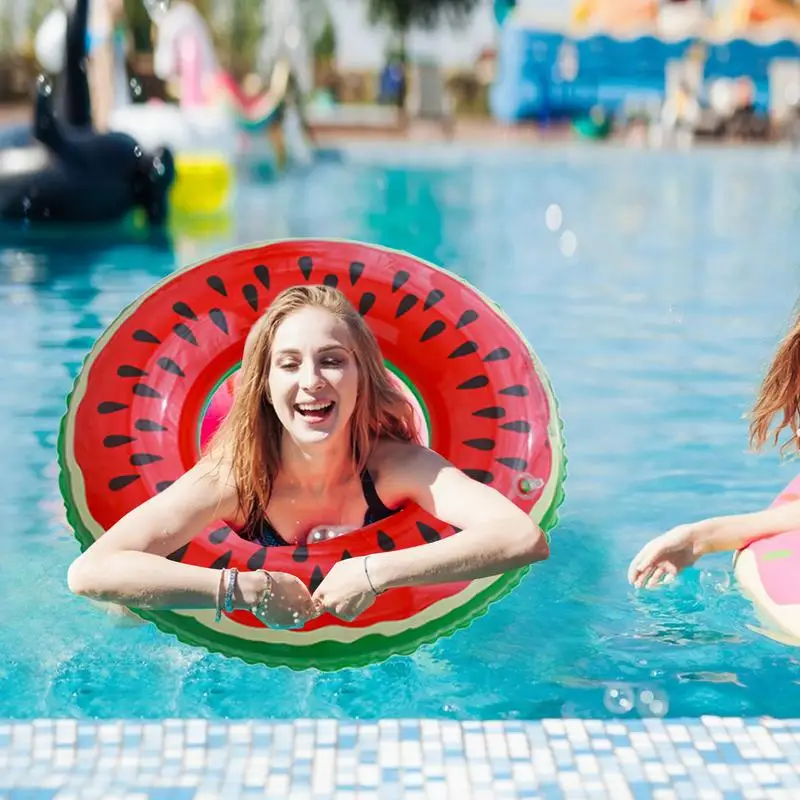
{"type": "Point", "coordinates": [662, 558]}
{"type": "Point", "coordinates": [345, 591]}
{"type": "Point", "coordinates": [289, 605]}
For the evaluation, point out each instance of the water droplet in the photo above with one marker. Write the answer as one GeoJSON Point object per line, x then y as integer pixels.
{"type": "Point", "coordinates": [618, 699]}
{"type": "Point", "coordinates": [137, 151]}
{"type": "Point", "coordinates": [653, 702]}
{"type": "Point", "coordinates": [568, 244]}
{"type": "Point", "coordinates": [526, 484]}
{"type": "Point", "coordinates": [553, 217]}
{"type": "Point", "coordinates": [715, 581]}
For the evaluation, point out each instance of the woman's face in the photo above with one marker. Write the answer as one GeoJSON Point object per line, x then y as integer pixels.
{"type": "Point", "coordinates": [313, 376]}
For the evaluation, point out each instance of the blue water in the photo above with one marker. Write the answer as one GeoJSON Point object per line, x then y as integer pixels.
{"type": "Point", "coordinates": [654, 307]}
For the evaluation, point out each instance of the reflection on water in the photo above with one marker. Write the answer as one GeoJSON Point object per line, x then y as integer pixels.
{"type": "Point", "coordinates": [653, 287]}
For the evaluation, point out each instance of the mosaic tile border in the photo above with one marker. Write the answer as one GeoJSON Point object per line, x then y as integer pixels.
{"type": "Point", "coordinates": [706, 757]}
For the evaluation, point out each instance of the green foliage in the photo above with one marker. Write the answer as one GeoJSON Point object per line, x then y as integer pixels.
{"type": "Point", "coordinates": [325, 46]}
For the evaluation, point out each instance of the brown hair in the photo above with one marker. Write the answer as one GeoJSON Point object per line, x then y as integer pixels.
{"type": "Point", "coordinates": [780, 393]}
{"type": "Point", "coordinates": [250, 436]}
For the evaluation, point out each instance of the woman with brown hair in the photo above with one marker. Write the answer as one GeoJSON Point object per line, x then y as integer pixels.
{"type": "Point", "coordinates": [318, 435]}
{"type": "Point", "coordinates": [662, 558]}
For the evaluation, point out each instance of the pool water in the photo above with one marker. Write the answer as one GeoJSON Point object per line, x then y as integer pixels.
{"type": "Point", "coordinates": [653, 286]}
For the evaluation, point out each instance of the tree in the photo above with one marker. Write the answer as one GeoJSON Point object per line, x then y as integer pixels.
{"type": "Point", "coordinates": [401, 15]}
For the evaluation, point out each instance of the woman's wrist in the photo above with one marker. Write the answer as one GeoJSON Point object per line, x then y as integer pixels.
{"type": "Point", "coordinates": [250, 589]}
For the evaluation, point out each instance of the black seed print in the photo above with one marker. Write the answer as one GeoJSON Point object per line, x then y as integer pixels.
{"type": "Point", "coordinates": [356, 268]}
{"type": "Point", "coordinates": [518, 426]}
{"type": "Point", "coordinates": [127, 371]}
{"type": "Point", "coordinates": [185, 333]}
{"type": "Point", "coordinates": [217, 284]}
{"type": "Point", "coordinates": [143, 390]}
{"type": "Point", "coordinates": [331, 280]}
{"type": "Point", "coordinates": [146, 337]}
{"type": "Point", "coordinates": [515, 391]}
{"type": "Point", "coordinates": [399, 279]}
{"type": "Point", "coordinates": [428, 533]}
{"type": "Point", "coordinates": [143, 459]}
{"type": "Point", "coordinates": [178, 554]}
{"type": "Point", "coordinates": [168, 365]}
{"type": "Point", "coordinates": [480, 444]}
{"type": "Point", "coordinates": [262, 275]}
{"type": "Point", "coordinates": [480, 475]}
{"type": "Point", "coordinates": [492, 412]}
{"type": "Point", "coordinates": [219, 535]}
{"type": "Point", "coordinates": [468, 316]}
{"type": "Point", "coordinates": [345, 555]}
{"type": "Point", "coordinates": [499, 354]}
{"type": "Point", "coordinates": [434, 329]}
{"type": "Point", "coordinates": [117, 440]}
{"type": "Point", "coordinates": [121, 481]}
{"type": "Point", "coordinates": [250, 294]}
{"type": "Point", "coordinates": [478, 382]}
{"type": "Point", "coordinates": [163, 485]}
{"type": "Point", "coordinates": [366, 303]}
{"type": "Point", "coordinates": [434, 296]}
{"type": "Point", "coordinates": [300, 553]}
{"type": "Point", "coordinates": [306, 264]}
{"type": "Point", "coordinates": [183, 310]}
{"type": "Point", "coordinates": [256, 561]}
{"type": "Point", "coordinates": [110, 407]}
{"type": "Point", "coordinates": [316, 579]}
{"type": "Point", "coordinates": [218, 318]}
{"type": "Point", "coordinates": [406, 304]}
{"type": "Point", "coordinates": [464, 349]}
{"type": "Point", "coordinates": [148, 425]}
{"type": "Point", "coordinates": [223, 561]}
{"type": "Point", "coordinates": [385, 542]}
{"type": "Point", "coordinates": [519, 464]}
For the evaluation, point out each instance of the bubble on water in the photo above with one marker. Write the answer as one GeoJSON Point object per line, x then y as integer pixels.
{"type": "Point", "coordinates": [526, 484]}
{"type": "Point", "coordinates": [553, 217]}
{"type": "Point", "coordinates": [137, 151]}
{"type": "Point", "coordinates": [715, 581]}
{"type": "Point", "coordinates": [619, 699]}
{"type": "Point", "coordinates": [568, 244]}
{"type": "Point", "coordinates": [652, 702]}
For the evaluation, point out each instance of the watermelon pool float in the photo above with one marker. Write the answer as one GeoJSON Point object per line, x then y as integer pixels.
{"type": "Point", "coordinates": [768, 571]}
{"type": "Point", "coordinates": [135, 420]}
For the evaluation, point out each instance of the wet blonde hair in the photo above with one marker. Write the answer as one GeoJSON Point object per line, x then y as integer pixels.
{"type": "Point", "coordinates": [250, 436]}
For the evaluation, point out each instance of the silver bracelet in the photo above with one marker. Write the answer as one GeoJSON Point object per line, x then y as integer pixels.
{"type": "Point", "coordinates": [218, 596]}
{"type": "Point", "coordinates": [369, 580]}
{"type": "Point", "coordinates": [262, 605]}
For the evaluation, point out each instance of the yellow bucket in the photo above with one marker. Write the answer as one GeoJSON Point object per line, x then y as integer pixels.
{"type": "Point", "coordinates": [202, 184]}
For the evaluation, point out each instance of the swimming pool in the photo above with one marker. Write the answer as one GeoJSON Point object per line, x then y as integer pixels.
{"type": "Point", "coordinates": [652, 285]}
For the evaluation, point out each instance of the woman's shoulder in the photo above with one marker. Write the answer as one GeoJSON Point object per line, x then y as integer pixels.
{"type": "Point", "coordinates": [398, 466]}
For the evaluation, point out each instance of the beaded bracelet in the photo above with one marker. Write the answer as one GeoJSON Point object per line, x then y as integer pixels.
{"type": "Point", "coordinates": [233, 574]}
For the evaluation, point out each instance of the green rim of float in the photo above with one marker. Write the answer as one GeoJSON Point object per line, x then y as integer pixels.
{"type": "Point", "coordinates": [331, 654]}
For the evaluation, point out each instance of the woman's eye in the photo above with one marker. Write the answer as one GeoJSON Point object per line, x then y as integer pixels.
{"type": "Point", "coordinates": [288, 365]}
{"type": "Point", "coordinates": [331, 362]}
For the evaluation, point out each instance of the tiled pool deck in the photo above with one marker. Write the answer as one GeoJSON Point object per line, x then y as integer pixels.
{"type": "Point", "coordinates": [709, 757]}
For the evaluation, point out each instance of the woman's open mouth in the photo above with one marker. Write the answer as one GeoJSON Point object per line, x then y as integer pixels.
{"type": "Point", "coordinates": [314, 412]}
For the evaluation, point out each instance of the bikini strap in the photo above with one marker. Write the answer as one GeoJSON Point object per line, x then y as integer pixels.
{"type": "Point", "coordinates": [374, 502]}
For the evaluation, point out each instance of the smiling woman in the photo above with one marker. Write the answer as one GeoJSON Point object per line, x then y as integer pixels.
{"type": "Point", "coordinates": [318, 434]}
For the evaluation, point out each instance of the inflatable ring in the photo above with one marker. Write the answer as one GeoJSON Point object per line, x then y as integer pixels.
{"type": "Point", "coordinates": [767, 571]}
{"type": "Point", "coordinates": [135, 414]}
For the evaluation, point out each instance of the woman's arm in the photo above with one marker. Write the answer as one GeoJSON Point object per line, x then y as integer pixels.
{"type": "Point", "coordinates": [719, 534]}
{"type": "Point", "coordinates": [666, 555]}
{"type": "Point", "coordinates": [496, 535]}
{"type": "Point", "coordinates": [128, 564]}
